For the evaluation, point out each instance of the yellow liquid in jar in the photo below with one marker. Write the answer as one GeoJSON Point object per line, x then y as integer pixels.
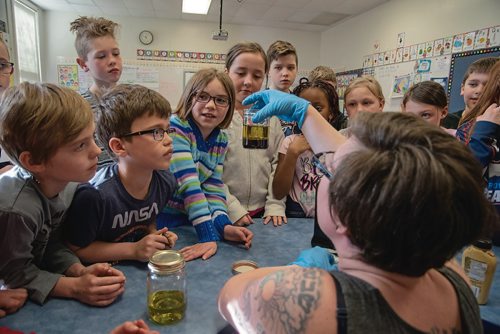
{"type": "Point", "coordinates": [255, 136]}
{"type": "Point", "coordinates": [166, 307]}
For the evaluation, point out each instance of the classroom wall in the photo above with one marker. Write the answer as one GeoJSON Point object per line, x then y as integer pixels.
{"type": "Point", "coordinates": [344, 45]}
{"type": "Point", "coordinates": [172, 35]}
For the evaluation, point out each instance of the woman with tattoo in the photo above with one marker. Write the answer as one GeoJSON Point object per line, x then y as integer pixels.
{"type": "Point", "coordinates": [402, 200]}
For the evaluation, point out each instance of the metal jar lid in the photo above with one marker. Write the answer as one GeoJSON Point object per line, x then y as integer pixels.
{"type": "Point", "coordinates": [166, 261]}
{"type": "Point", "coordinates": [243, 266]}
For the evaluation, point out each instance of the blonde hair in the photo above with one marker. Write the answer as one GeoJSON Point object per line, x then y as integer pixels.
{"type": "Point", "coordinates": [40, 118]}
{"type": "Point", "coordinates": [323, 73]}
{"type": "Point", "coordinates": [88, 29]}
{"type": "Point", "coordinates": [196, 84]}
{"type": "Point", "coordinates": [370, 83]}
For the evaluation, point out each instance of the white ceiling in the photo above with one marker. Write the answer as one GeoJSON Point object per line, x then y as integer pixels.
{"type": "Point", "coordinates": [307, 15]}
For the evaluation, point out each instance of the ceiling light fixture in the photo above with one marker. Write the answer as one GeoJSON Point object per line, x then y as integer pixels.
{"type": "Point", "coordinates": [196, 6]}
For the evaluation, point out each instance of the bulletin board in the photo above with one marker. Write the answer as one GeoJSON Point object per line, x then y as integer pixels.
{"type": "Point", "coordinates": [459, 63]}
{"type": "Point", "coordinates": [167, 78]}
{"type": "Point", "coordinates": [396, 79]}
{"type": "Point", "coordinates": [443, 60]}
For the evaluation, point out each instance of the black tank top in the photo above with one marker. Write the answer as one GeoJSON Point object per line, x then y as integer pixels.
{"type": "Point", "coordinates": [366, 310]}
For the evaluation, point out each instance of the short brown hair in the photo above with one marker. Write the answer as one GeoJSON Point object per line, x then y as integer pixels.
{"type": "Point", "coordinates": [88, 29]}
{"type": "Point", "coordinates": [323, 73]}
{"type": "Point", "coordinates": [2, 43]}
{"type": "Point", "coordinates": [39, 118]}
{"type": "Point", "coordinates": [490, 95]}
{"type": "Point", "coordinates": [427, 92]}
{"type": "Point", "coordinates": [196, 84]}
{"type": "Point", "coordinates": [281, 48]}
{"type": "Point", "coordinates": [482, 65]}
{"type": "Point", "coordinates": [122, 105]}
{"type": "Point", "coordinates": [411, 197]}
{"type": "Point", "coordinates": [245, 47]}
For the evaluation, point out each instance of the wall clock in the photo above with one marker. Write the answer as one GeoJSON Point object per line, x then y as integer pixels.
{"type": "Point", "coordinates": [146, 37]}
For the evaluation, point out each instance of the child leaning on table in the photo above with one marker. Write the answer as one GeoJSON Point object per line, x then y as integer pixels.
{"type": "Point", "coordinates": [48, 131]}
{"type": "Point", "coordinates": [205, 108]}
{"type": "Point", "coordinates": [113, 217]}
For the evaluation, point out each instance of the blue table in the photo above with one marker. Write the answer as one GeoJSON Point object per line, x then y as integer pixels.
{"type": "Point", "coordinates": [271, 247]}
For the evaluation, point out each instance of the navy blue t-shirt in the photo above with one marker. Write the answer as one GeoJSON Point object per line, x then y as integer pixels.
{"type": "Point", "coordinates": [103, 210]}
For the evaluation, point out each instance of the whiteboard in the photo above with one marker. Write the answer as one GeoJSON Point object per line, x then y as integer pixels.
{"type": "Point", "coordinates": [407, 74]}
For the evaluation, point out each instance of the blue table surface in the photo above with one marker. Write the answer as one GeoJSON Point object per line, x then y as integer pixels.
{"type": "Point", "coordinates": [272, 246]}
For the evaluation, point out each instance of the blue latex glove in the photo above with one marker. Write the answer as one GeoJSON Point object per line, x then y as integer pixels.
{"type": "Point", "coordinates": [317, 257]}
{"type": "Point", "coordinates": [287, 107]}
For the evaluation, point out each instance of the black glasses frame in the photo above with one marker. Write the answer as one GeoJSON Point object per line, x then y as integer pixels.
{"type": "Point", "coordinates": [158, 133]}
{"type": "Point", "coordinates": [219, 101]}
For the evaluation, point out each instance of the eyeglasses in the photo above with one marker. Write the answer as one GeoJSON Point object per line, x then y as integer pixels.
{"type": "Point", "coordinates": [6, 68]}
{"type": "Point", "coordinates": [204, 97]}
{"type": "Point", "coordinates": [158, 134]}
{"type": "Point", "coordinates": [322, 160]}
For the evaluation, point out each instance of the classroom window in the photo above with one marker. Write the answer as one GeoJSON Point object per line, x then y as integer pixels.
{"type": "Point", "coordinates": [27, 41]}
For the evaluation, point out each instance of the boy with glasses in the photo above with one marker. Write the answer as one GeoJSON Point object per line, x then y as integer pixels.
{"type": "Point", "coordinates": [113, 217]}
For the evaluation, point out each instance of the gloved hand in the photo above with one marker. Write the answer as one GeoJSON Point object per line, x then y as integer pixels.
{"type": "Point", "coordinates": [287, 107]}
{"type": "Point", "coordinates": [317, 257]}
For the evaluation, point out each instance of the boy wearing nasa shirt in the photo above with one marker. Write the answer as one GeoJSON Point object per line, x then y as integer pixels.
{"type": "Point", "coordinates": [113, 217]}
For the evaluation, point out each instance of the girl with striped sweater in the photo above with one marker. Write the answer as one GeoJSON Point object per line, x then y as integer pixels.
{"type": "Point", "coordinates": [205, 107]}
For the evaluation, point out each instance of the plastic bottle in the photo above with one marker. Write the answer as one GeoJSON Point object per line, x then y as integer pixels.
{"type": "Point", "coordinates": [479, 263]}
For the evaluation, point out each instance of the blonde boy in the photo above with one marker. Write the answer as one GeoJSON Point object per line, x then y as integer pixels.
{"type": "Point", "coordinates": [324, 73]}
{"type": "Point", "coordinates": [283, 64]}
{"type": "Point", "coordinates": [58, 149]}
{"type": "Point", "coordinates": [114, 216]}
{"type": "Point", "coordinates": [99, 55]}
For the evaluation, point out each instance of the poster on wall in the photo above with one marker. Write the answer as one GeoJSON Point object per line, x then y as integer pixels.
{"type": "Point", "coordinates": [438, 47]}
{"type": "Point", "coordinates": [400, 86]}
{"type": "Point", "coordinates": [458, 43]}
{"type": "Point", "coordinates": [447, 43]}
{"type": "Point", "coordinates": [429, 46]}
{"type": "Point", "coordinates": [413, 52]}
{"type": "Point", "coordinates": [469, 41]}
{"type": "Point", "coordinates": [406, 53]}
{"type": "Point", "coordinates": [494, 36]}
{"type": "Point", "coordinates": [424, 65]}
{"type": "Point", "coordinates": [392, 60]}
{"type": "Point", "coordinates": [399, 55]}
{"type": "Point", "coordinates": [443, 81]}
{"type": "Point", "coordinates": [380, 59]}
{"type": "Point", "coordinates": [387, 57]}
{"type": "Point", "coordinates": [421, 51]}
{"type": "Point", "coordinates": [68, 76]}
{"type": "Point", "coordinates": [481, 39]}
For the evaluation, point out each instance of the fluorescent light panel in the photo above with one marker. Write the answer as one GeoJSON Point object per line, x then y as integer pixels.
{"type": "Point", "coordinates": [196, 6]}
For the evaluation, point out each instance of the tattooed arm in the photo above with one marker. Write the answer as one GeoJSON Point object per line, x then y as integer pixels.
{"type": "Point", "coordinates": [280, 300]}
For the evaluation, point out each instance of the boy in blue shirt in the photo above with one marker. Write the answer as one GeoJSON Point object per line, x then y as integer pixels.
{"type": "Point", "coordinates": [48, 132]}
{"type": "Point", "coordinates": [113, 217]}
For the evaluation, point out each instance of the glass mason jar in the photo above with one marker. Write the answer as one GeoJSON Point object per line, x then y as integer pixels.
{"type": "Point", "coordinates": [166, 287]}
{"type": "Point", "coordinates": [255, 135]}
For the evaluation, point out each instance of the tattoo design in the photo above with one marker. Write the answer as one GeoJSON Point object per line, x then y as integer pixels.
{"type": "Point", "coordinates": [283, 301]}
